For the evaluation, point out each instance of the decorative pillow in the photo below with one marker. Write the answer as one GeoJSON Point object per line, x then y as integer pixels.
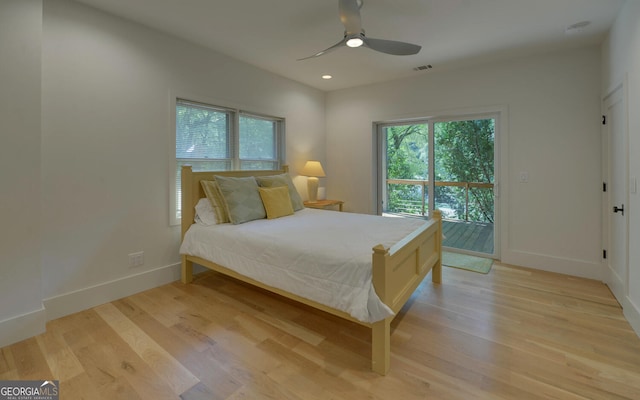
{"type": "Point", "coordinates": [276, 201]}
{"type": "Point", "coordinates": [282, 180]}
{"type": "Point", "coordinates": [241, 198]}
{"type": "Point", "coordinates": [212, 190]}
{"type": "Point", "coordinates": [204, 213]}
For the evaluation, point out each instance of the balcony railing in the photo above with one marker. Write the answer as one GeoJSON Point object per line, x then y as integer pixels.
{"type": "Point", "coordinates": [424, 184]}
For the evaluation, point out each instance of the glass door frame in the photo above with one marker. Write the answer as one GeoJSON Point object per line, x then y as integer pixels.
{"type": "Point", "coordinates": [381, 149]}
{"type": "Point", "coordinates": [382, 160]}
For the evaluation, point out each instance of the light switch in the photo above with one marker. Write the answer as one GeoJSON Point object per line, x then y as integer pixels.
{"type": "Point", "coordinates": [524, 176]}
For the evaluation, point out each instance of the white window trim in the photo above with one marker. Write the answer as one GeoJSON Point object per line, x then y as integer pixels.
{"type": "Point", "coordinates": [174, 220]}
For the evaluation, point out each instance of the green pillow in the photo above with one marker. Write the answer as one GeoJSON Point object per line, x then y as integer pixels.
{"type": "Point", "coordinates": [241, 198]}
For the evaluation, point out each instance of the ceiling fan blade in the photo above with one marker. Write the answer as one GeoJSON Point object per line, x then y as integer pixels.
{"type": "Point", "coordinates": [325, 51]}
{"type": "Point", "coordinates": [350, 16]}
{"type": "Point", "coordinates": [391, 47]}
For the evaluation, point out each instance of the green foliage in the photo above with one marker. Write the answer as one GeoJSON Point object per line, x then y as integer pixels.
{"type": "Point", "coordinates": [464, 150]}
{"type": "Point", "coordinates": [201, 133]}
{"type": "Point", "coordinates": [257, 138]}
{"type": "Point", "coordinates": [407, 152]}
{"type": "Point", "coordinates": [204, 133]}
{"type": "Point", "coordinates": [463, 153]}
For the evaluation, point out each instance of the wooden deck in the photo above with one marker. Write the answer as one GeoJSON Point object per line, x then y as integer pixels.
{"type": "Point", "coordinates": [465, 235]}
{"type": "Point", "coordinates": [472, 236]}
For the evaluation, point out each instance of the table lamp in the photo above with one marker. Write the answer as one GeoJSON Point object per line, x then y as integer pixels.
{"type": "Point", "coordinates": [313, 169]}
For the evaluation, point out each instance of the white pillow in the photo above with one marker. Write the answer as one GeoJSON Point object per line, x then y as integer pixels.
{"type": "Point", "coordinates": [204, 212]}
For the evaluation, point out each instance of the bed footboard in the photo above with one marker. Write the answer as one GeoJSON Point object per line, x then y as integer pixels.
{"type": "Point", "coordinates": [397, 272]}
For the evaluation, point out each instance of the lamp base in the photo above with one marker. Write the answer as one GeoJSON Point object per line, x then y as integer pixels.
{"type": "Point", "coordinates": [312, 188]}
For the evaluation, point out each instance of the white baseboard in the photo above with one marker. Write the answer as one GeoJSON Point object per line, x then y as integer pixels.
{"type": "Point", "coordinates": [616, 284]}
{"type": "Point", "coordinates": [632, 314]}
{"type": "Point", "coordinates": [567, 266]}
{"type": "Point", "coordinates": [22, 327]}
{"type": "Point", "coordinates": [79, 300]}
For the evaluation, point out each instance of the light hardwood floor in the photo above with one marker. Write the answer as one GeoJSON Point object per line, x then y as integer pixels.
{"type": "Point", "coordinates": [511, 334]}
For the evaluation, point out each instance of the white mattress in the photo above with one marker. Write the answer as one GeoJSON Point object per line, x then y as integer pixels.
{"type": "Point", "coordinates": [323, 256]}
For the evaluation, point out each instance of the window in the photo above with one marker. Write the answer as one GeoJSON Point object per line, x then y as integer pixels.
{"type": "Point", "coordinates": [212, 138]}
{"type": "Point", "coordinates": [258, 142]}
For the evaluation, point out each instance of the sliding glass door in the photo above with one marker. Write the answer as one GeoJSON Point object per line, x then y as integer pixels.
{"type": "Point", "coordinates": [446, 164]}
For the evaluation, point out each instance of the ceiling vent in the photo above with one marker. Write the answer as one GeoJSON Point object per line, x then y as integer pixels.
{"type": "Point", "coordinates": [423, 67]}
{"type": "Point", "coordinates": [577, 28]}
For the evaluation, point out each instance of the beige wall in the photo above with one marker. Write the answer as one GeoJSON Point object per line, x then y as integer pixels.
{"type": "Point", "coordinates": [21, 311]}
{"type": "Point", "coordinates": [86, 145]}
{"type": "Point", "coordinates": [621, 62]}
{"type": "Point", "coordinates": [107, 146]}
{"type": "Point", "coordinates": [550, 127]}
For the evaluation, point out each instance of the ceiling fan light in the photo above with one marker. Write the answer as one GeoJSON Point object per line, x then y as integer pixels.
{"type": "Point", "coordinates": [354, 42]}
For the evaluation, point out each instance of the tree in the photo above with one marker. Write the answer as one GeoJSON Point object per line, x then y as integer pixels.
{"type": "Point", "coordinates": [407, 154]}
{"type": "Point", "coordinates": [463, 153]}
{"type": "Point", "coordinates": [257, 138]}
{"type": "Point", "coordinates": [201, 133]}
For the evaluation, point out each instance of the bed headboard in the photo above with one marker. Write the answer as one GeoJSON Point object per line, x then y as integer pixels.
{"type": "Point", "coordinates": [192, 191]}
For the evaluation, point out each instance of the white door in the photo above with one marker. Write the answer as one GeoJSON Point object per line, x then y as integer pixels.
{"type": "Point", "coordinates": [616, 196]}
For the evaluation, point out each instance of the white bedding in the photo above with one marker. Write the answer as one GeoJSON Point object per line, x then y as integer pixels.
{"type": "Point", "coordinates": [320, 255]}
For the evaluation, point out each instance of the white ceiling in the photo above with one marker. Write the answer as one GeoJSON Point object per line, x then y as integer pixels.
{"type": "Point", "coordinates": [273, 34]}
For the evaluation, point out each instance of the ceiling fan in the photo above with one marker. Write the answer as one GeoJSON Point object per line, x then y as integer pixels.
{"type": "Point", "coordinates": [354, 34]}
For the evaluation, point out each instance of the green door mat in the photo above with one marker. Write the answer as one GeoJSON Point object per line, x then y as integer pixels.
{"type": "Point", "coordinates": [470, 263]}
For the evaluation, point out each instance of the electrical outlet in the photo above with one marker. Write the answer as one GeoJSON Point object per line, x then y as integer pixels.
{"type": "Point", "coordinates": [136, 259]}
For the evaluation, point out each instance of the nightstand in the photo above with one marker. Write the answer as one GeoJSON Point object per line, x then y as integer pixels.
{"type": "Point", "coordinates": [324, 204]}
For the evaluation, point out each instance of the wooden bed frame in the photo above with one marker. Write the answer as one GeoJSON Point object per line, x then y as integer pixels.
{"type": "Point", "coordinates": [397, 271]}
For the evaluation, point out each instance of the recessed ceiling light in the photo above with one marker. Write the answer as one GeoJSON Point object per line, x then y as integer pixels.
{"type": "Point", "coordinates": [327, 76]}
{"type": "Point", "coordinates": [577, 27]}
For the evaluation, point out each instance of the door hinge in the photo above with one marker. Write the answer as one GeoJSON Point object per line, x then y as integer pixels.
{"type": "Point", "coordinates": [604, 120]}
{"type": "Point", "coordinates": [604, 254]}
{"type": "Point", "coordinates": [604, 186]}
